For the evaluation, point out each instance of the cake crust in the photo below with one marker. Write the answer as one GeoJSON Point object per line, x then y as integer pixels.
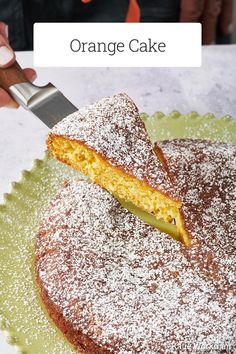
{"type": "Point", "coordinates": [82, 342]}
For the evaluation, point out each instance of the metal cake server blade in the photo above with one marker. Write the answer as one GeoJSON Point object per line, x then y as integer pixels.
{"type": "Point", "coordinates": [46, 102]}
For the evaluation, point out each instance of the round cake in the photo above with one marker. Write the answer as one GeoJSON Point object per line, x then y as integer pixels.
{"type": "Point", "coordinates": [114, 284]}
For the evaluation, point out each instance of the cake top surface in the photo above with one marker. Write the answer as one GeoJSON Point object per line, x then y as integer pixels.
{"type": "Point", "coordinates": [126, 285]}
{"type": "Point", "coordinates": [113, 128]}
{"type": "Point", "coordinates": [204, 174]}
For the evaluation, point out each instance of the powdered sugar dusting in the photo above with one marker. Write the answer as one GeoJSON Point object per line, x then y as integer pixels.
{"type": "Point", "coordinates": [204, 175]}
{"type": "Point", "coordinates": [126, 285]}
{"type": "Point", "coordinates": [113, 128]}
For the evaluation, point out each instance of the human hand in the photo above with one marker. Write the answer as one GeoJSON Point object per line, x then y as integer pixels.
{"type": "Point", "coordinates": [7, 58]}
{"type": "Point", "coordinates": [211, 13]}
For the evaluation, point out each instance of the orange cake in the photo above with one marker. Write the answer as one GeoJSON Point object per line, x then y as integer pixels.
{"type": "Point", "coordinates": [107, 141]}
{"type": "Point", "coordinates": [114, 284]}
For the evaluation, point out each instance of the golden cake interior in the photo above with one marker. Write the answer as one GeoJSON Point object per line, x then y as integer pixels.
{"type": "Point", "coordinates": [117, 182]}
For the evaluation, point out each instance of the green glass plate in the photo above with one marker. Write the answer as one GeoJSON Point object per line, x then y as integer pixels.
{"type": "Point", "coordinates": [175, 125]}
{"type": "Point", "coordinates": [22, 315]}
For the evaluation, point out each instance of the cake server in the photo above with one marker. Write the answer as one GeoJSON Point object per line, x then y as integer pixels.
{"type": "Point", "coordinates": [46, 102]}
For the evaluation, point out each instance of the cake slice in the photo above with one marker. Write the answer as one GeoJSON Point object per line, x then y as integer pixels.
{"type": "Point", "coordinates": [108, 142]}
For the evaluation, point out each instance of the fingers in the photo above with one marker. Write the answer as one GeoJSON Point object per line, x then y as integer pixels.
{"type": "Point", "coordinates": [4, 30]}
{"type": "Point", "coordinates": [209, 20]}
{"type": "Point", "coordinates": [226, 16]}
{"type": "Point", "coordinates": [191, 10]}
{"type": "Point", "coordinates": [7, 55]}
{"type": "Point", "coordinates": [7, 58]}
{"type": "Point", "coordinates": [30, 74]}
{"type": "Point", "coordinates": [205, 11]}
{"type": "Point", "coordinates": [6, 100]}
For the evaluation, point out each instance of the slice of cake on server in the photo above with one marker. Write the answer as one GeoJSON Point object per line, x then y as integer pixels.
{"type": "Point", "coordinates": [108, 142]}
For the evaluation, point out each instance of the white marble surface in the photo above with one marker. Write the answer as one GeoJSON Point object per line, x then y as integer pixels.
{"type": "Point", "coordinates": [211, 88]}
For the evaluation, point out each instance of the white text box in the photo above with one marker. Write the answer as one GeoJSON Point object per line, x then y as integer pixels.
{"type": "Point", "coordinates": [117, 44]}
